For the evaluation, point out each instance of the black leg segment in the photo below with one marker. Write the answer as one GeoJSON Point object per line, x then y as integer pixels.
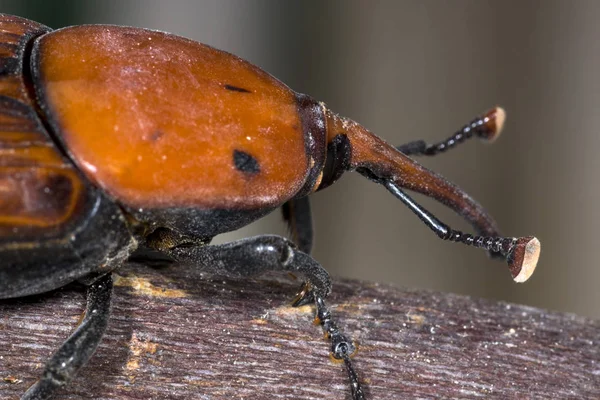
{"type": "Point", "coordinates": [80, 346]}
{"type": "Point", "coordinates": [255, 255]}
{"type": "Point", "coordinates": [298, 217]}
{"type": "Point", "coordinates": [342, 348]}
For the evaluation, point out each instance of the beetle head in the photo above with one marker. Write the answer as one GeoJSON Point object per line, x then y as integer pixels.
{"type": "Point", "coordinates": [352, 147]}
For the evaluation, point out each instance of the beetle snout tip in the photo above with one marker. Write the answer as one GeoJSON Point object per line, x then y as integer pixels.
{"type": "Point", "coordinates": [524, 258]}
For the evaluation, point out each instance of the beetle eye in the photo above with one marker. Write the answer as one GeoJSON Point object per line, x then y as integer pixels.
{"type": "Point", "coordinates": [337, 161]}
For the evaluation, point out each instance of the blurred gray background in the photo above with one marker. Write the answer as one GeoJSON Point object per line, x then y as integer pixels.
{"type": "Point", "coordinates": [419, 70]}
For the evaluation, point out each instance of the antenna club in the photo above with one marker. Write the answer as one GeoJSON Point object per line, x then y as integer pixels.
{"type": "Point", "coordinates": [523, 259]}
{"type": "Point", "coordinates": [494, 122]}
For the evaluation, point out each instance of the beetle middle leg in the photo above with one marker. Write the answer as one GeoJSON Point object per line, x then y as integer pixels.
{"type": "Point", "coordinates": [255, 255]}
{"type": "Point", "coordinates": [80, 346]}
{"type": "Point", "coordinates": [486, 127]}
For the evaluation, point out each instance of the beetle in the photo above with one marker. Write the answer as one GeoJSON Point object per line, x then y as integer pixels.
{"type": "Point", "coordinates": [116, 141]}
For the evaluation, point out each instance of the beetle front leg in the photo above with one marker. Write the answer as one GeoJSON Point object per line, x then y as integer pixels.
{"type": "Point", "coordinates": [76, 351]}
{"type": "Point", "coordinates": [297, 215]}
{"type": "Point", "coordinates": [255, 255]}
{"type": "Point", "coordinates": [486, 127]}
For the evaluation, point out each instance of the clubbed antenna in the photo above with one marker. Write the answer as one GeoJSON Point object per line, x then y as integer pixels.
{"type": "Point", "coordinates": [360, 150]}
{"type": "Point", "coordinates": [487, 127]}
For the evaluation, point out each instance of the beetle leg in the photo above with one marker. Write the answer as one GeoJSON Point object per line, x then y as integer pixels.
{"type": "Point", "coordinates": [297, 214]}
{"type": "Point", "coordinates": [486, 127]}
{"type": "Point", "coordinates": [255, 255]}
{"type": "Point", "coordinates": [341, 347]}
{"type": "Point", "coordinates": [80, 346]}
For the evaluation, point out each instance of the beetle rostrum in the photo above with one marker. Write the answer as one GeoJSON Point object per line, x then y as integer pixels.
{"type": "Point", "coordinates": [122, 139]}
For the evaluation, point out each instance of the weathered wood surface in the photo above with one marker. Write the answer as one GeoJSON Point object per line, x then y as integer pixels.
{"type": "Point", "coordinates": [176, 335]}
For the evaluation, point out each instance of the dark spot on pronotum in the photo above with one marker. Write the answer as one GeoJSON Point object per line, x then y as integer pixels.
{"type": "Point", "coordinates": [236, 89]}
{"type": "Point", "coordinates": [244, 162]}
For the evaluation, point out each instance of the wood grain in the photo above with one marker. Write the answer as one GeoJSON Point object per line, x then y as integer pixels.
{"type": "Point", "coordinates": [175, 334]}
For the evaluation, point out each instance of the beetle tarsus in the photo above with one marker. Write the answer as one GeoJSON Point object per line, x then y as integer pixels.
{"type": "Point", "coordinates": [355, 386]}
{"type": "Point", "coordinates": [80, 346]}
{"type": "Point", "coordinates": [342, 347]}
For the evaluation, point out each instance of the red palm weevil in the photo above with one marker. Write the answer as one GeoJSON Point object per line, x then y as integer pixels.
{"type": "Point", "coordinates": [115, 140]}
